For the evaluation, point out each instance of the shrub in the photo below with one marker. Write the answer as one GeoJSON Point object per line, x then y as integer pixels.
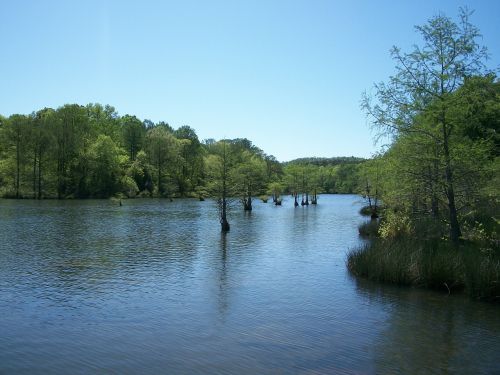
{"type": "Point", "coordinates": [128, 186]}
{"type": "Point", "coordinates": [396, 225]}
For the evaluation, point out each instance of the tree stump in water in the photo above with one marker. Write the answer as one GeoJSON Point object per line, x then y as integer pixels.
{"type": "Point", "coordinates": [224, 225]}
{"type": "Point", "coordinates": [247, 204]}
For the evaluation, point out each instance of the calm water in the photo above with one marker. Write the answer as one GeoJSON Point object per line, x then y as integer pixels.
{"type": "Point", "coordinates": [153, 287]}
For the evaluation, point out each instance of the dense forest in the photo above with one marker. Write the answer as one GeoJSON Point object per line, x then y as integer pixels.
{"type": "Point", "coordinates": [90, 151]}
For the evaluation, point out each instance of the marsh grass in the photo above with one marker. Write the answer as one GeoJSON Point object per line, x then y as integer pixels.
{"type": "Point", "coordinates": [369, 229]}
{"type": "Point", "coordinates": [432, 264]}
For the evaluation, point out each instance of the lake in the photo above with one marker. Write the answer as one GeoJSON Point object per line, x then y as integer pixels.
{"type": "Point", "coordinates": [89, 287]}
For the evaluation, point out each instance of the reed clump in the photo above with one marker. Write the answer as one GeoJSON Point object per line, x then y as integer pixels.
{"type": "Point", "coordinates": [396, 254]}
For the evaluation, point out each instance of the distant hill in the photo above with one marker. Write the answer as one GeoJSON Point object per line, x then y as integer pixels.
{"type": "Point", "coordinates": [326, 161]}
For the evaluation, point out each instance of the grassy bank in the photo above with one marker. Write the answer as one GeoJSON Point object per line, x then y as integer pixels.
{"type": "Point", "coordinates": [432, 264]}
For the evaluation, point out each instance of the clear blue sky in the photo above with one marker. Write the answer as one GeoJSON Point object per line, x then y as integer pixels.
{"type": "Point", "coordinates": [288, 75]}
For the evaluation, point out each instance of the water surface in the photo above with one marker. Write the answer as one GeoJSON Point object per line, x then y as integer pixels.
{"type": "Point", "coordinates": [154, 287]}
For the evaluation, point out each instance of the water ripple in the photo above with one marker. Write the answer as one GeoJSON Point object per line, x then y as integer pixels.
{"type": "Point", "coordinates": [153, 287]}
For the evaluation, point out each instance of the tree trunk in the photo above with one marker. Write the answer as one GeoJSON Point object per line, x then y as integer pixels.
{"type": "Point", "coordinates": [159, 172]}
{"type": "Point", "coordinates": [368, 195]}
{"type": "Point", "coordinates": [433, 191]}
{"type": "Point", "coordinates": [247, 202]}
{"type": "Point", "coordinates": [61, 168]}
{"type": "Point", "coordinates": [40, 174]}
{"type": "Point", "coordinates": [17, 166]}
{"type": "Point", "coordinates": [455, 232]}
{"type": "Point", "coordinates": [314, 199]}
{"type": "Point", "coordinates": [34, 174]}
{"type": "Point", "coordinates": [223, 219]}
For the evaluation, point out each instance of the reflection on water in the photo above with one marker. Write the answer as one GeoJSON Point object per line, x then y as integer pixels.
{"type": "Point", "coordinates": [434, 333]}
{"type": "Point", "coordinates": [154, 287]}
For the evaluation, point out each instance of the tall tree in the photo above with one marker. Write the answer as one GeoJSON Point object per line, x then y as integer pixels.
{"type": "Point", "coordinates": [105, 162]}
{"type": "Point", "coordinates": [424, 80]}
{"type": "Point", "coordinates": [69, 129]}
{"type": "Point", "coordinates": [104, 120]}
{"type": "Point", "coordinates": [249, 177]}
{"type": "Point", "coordinates": [134, 132]}
{"type": "Point", "coordinates": [41, 143]}
{"type": "Point", "coordinates": [220, 164]}
{"type": "Point", "coordinates": [162, 147]}
{"type": "Point", "coordinates": [141, 172]}
{"type": "Point", "coordinates": [190, 166]}
{"type": "Point", "coordinates": [16, 136]}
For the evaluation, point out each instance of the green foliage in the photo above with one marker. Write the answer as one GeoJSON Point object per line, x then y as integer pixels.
{"type": "Point", "coordinates": [105, 167]}
{"type": "Point", "coordinates": [325, 162]}
{"type": "Point", "coordinates": [439, 177]}
{"type": "Point", "coordinates": [128, 186]}
{"type": "Point", "coordinates": [305, 178]}
{"type": "Point", "coordinates": [396, 225]}
{"type": "Point", "coordinates": [249, 177]}
{"type": "Point", "coordinates": [141, 172]}
{"type": "Point", "coordinates": [133, 132]}
{"type": "Point", "coordinates": [89, 151]}
{"type": "Point", "coordinates": [189, 171]}
{"type": "Point", "coordinates": [441, 108]}
{"type": "Point", "coordinates": [162, 148]}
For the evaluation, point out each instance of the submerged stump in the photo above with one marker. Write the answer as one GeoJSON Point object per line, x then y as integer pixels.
{"type": "Point", "coordinates": [224, 225]}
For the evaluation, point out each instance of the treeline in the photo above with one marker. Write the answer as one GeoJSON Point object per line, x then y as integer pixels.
{"type": "Point", "coordinates": [326, 175]}
{"type": "Point", "coordinates": [324, 162]}
{"type": "Point", "coordinates": [90, 151]}
{"type": "Point", "coordinates": [440, 177]}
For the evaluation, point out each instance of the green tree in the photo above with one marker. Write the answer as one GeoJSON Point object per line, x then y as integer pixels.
{"type": "Point", "coordinates": [106, 161]}
{"type": "Point", "coordinates": [42, 141]}
{"type": "Point", "coordinates": [104, 120]}
{"type": "Point", "coordinates": [249, 177]}
{"type": "Point", "coordinates": [142, 173]}
{"type": "Point", "coordinates": [274, 168]}
{"type": "Point", "coordinates": [293, 181]}
{"type": "Point", "coordinates": [371, 185]}
{"type": "Point", "coordinates": [190, 166]}
{"type": "Point", "coordinates": [424, 80]}
{"type": "Point", "coordinates": [162, 148]}
{"type": "Point", "coordinates": [275, 189]}
{"type": "Point", "coordinates": [16, 136]}
{"type": "Point", "coordinates": [68, 130]}
{"type": "Point", "coordinates": [219, 166]}
{"type": "Point", "coordinates": [134, 132]}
